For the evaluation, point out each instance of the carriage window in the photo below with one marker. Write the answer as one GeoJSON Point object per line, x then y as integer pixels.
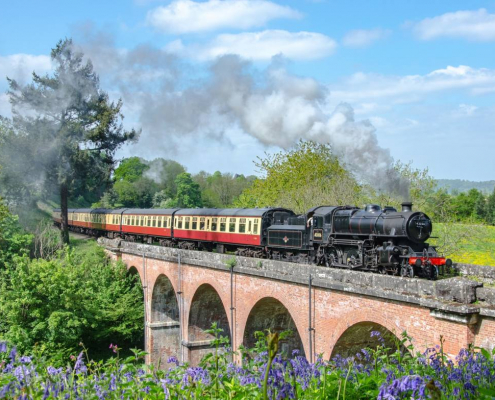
{"type": "Point", "coordinates": [223, 224]}
{"type": "Point", "coordinates": [141, 221]}
{"type": "Point", "coordinates": [214, 224]}
{"type": "Point", "coordinates": [188, 223]}
{"type": "Point", "coordinates": [242, 225]}
{"type": "Point", "coordinates": [249, 227]}
{"type": "Point", "coordinates": [232, 225]}
{"type": "Point", "coordinates": [202, 224]}
{"type": "Point", "coordinates": [255, 227]}
{"type": "Point", "coordinates": [159, 222]}
{"type": "Point", "coordinates": [195, 223]}
{"type": "Point", "coordinates": [180, 223]}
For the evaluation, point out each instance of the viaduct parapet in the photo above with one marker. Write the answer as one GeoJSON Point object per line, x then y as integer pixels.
{"type": "Point", "coordinates": [330, 311]}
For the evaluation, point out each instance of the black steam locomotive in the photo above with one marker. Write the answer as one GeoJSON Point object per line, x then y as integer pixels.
{"type": "Point", "coordinates": [370, 239]}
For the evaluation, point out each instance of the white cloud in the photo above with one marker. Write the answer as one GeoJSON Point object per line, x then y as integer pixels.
{"type": "Point", "coordinates": [473, 25]}
{"type": "Point", "coordinates": [261, 46]}
{"type": "Point", "coordinates": [21, 66]}
{"type": "Point", "coordinates": [365, 88]}
{"type": "Point", "coordinates": [186, 16]}
{"type": "Point", "coordinates": [465, 110]}
{"type": "Point", "coordinates": [363, 38]}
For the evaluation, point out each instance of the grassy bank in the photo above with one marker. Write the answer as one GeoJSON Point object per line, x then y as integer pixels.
{"type": "Point", "coordinates": [466, 243]}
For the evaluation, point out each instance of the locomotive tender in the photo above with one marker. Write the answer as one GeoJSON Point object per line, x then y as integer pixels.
{"type": "Point", "coordinates": [370, 239]}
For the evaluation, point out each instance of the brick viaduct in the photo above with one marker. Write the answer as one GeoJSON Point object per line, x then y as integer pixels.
{"type": "Point", "coordinates": [186, 291]}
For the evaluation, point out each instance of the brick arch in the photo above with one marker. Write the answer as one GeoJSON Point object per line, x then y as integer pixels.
{"type": "Point", "coordinates": [164, 321]}
{"type": "Point", "coordinates": [359, 322]}
{"type": "Point", "coordinates": [205, 309]}
{"type": "Point", "coordinates": [271, 313]}
{"type": "Point", "coordinates": [222, 288]}
{"type": "Point", "coordinates": [132, 270]}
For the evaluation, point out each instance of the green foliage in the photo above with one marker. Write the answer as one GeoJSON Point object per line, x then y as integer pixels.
{"type": "Point", "coordinates": [221, 190]}
{"type": "Point", "coordinates": [135, 194]}
{"type": "Point", "coordinates": [306, 176]}
{"type": "Point", "coordinates": [398, 372]}
{"type": "Point", "coordinates": [14, 241]}
{"type": "Point", "coordinates": [130, 169]}
{"type": "Point", "coordinates": [77, 296]}
{"type": "Point", "coordinates": [165, 173]}
{"type": "Point", "coordinates": [231, 262]}
{"type": "Point", "coordinates": [72, 129]}
{"type": "Point", "coordinates": [188, 192]}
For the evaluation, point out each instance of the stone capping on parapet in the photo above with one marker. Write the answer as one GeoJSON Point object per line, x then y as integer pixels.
{"type": "Point", "coordinates": [458, 295]}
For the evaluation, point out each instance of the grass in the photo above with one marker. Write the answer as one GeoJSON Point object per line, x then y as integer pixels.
{"type": "Point", "coordinates": [466, 243]}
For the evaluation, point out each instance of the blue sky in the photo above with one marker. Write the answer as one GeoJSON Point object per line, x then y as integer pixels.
{"type": "Point", "coordinates": [417, 79]}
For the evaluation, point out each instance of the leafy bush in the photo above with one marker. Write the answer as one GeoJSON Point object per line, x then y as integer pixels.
{"type": "Point", "coordinates": [14, 241]}
{"type": "Point", "coordinates": [77, 295]}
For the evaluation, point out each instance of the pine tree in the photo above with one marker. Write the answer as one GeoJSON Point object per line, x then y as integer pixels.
{"type": "Point", "coordinates": [77, 125]}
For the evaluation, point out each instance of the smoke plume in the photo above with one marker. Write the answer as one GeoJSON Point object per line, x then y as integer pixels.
{"type": "Point", "coordinates": [174, 99]}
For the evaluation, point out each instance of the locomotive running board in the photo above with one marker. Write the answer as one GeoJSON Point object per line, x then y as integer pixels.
{"type": "Point", "coordinates": [338, 265]}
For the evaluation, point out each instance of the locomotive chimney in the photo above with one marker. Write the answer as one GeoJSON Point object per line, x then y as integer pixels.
{"type": "Point", "coordinates": [407, 206]}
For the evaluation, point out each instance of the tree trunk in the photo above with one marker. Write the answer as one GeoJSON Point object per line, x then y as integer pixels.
{"type": "Point", "coordinates": [64, 220]}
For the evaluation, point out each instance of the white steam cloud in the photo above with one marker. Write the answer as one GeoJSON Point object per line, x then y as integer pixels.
{"type": "Point", "coordinates": [273, 106]}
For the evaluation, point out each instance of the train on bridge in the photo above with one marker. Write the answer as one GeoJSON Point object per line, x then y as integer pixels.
{"type": "Point", "coordinates": [373, 239]}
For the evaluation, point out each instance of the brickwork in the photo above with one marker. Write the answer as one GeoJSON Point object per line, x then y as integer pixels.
{"type": "Point", "coordinates": [202, 295]}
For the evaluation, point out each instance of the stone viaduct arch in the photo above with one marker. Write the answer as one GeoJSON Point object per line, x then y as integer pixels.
{"type": "Point", "coordinates": [187, 290]}
{"type": "Point", "coordinates": [362, 335]}
{"type": "Point", "coordinates": [164, 321]}
{"type": "Point", "coordinates": [206, 308]}
{"type": "Point", "coordinates": [270, 313]}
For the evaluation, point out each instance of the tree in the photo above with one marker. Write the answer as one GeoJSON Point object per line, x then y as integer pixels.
{"type": "Point", "coordinates": [306, 176]}
{"type": "Point", "coordinates": [78, 125]}
{"type": "Point", "coordinates": [130, 169]}
{"type": "Point", "coordinates": [490, 209]}
{"type": "Point", "coordinates": [188, 192]}
{"type": "Point", "coordinates": [220, 190]}
{"type": "Point", "coordinates": [164, 172]}
{"type": "Point", "coordinates": [18, 179]}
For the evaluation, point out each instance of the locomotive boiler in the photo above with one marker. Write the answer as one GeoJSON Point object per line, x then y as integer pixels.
{"type": "Point", "coordinates": [374, 239]}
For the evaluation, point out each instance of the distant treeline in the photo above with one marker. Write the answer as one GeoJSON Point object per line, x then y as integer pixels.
{"type": "Point", "coordinates": [461, 185]}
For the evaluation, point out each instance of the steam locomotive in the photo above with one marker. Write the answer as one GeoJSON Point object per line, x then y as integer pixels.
{"type": "Point", "coordinates": [373, 239]}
